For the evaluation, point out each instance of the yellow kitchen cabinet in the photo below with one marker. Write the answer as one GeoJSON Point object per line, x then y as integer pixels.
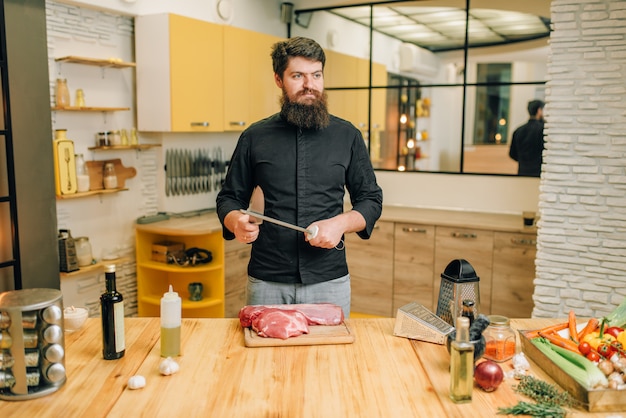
{"type": "Point", "coordinates": [379, 97]}
{"type": "Point", "coordinates": [154, 277]}
{"type": "Point", "coordinates": [371, 271]}
{"type": "Point", "coordinates": [473, 245]}
{"type": "Point", "coordinates": [413, 258]}
{"type": "Point", "coordinates": [514, 272]}
{"type": "Point", "coordinates": [180, 74]}
{"type": "Point", "coordinates": [250, 93]}
{"type": "Point", "coordinates": [236, 276]}
{"type": "Point", "coordinates": [264, 93]}
{"type": "Point", "coordinates": [354, 105]}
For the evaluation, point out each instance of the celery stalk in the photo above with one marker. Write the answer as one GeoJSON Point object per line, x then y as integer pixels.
{"type": "Point", "coordinates": [577, 366]}
{"type": "Point", "coordinates": [617, 318]}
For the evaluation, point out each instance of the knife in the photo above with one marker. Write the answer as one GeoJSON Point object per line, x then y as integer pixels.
{"type": "Point", "coordinates": [310, 233]}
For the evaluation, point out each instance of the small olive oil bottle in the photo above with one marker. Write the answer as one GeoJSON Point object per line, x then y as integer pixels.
{"type": "Point", "coordinates": [461, 364]}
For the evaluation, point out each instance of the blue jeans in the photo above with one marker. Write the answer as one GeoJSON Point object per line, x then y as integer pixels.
{"type": "Point", "coordinates": [335, 291]}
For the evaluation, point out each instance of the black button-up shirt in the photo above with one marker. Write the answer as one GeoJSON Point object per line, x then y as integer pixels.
{"type": "Point", "coordinates": [303, 174]}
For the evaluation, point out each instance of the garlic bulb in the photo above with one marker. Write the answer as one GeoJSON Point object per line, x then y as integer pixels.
{"type": "Point", "coordinates": [136, 382]}
{"type": "Point", "coordinates": [168, 366]}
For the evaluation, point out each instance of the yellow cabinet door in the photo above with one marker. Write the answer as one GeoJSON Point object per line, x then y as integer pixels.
{"type": "Point", "coordinates": [370, 263]}
{"type": "Point", "coordinates": [250, 93]}
{"type": "Point", "coordinates": [237, 63]}
{"type": "Point", "coordinates": [196, 74]}
{"type": "Point", "coordinates": [264, 93]}
{"type": "Point", "coordinates": [414, 255]}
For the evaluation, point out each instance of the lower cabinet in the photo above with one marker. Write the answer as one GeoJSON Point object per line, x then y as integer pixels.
{"type": "Point", "coordinates": [413, 258]}
{"type": "Point", "coordinates": [155, 277]}
{"type": "Point", "coordinates": [237, 256]}
{"type": "Point", "coordinates": [403, 263]}
{"type": "Point", "coordinates": [473, 245]}
{"type": "Point", "coordinates": [370, 263]}
{"type": "Point", "coordinates": [513, 274]}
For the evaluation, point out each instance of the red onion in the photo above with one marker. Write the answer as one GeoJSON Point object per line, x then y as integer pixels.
{"type": "Point", "coordinates": [488, 375]}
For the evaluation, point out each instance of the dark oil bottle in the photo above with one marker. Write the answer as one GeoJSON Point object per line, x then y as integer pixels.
{"type": "Point", "coordinates": [112, 309]}
{"type": "Point", "coordinates": [468, 310]}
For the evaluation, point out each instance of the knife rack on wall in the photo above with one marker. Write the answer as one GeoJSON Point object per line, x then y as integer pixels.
{"type": "Point", "coordinates": [194, 171]}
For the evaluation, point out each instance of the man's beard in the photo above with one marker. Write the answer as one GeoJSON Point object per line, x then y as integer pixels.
{"type": "Point", "coordinates": [307, 116]}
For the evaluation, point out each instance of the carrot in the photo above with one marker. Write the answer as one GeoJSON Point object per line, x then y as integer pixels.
{"type": "Point", "coordinates": [591, 326]}
{"type": "Point", "coordinates": [573, 332]}
{"type": "Point", "coordinates": [547, 330]}
{"type": "Point", "coordinates": [556, 339]}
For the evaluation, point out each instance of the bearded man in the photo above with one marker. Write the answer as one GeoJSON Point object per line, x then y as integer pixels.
{"type": "Point", "coordinates": [303, 159]}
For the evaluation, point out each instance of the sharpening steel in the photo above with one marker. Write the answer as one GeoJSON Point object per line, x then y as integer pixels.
{"type": "Point", "coordinates": [311, 233]}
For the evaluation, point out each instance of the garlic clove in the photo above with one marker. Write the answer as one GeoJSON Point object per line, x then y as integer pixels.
{"type": "Point", "coordinates": [136, 382]}
{"type": "Point", "coordinates": [168, 366]}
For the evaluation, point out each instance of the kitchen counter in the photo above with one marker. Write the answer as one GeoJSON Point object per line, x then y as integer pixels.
{"type": "Point", "coordinates": [209, 222]}
{"type": "Point", "coordinates": [379, 375]}
{"type": "Point", "coordinates": [454, 218]}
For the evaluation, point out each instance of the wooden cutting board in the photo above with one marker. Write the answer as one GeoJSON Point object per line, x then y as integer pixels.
{"type": "Point", "coordinates": [318, 335]}
{"type": "Point", "coordinates": [96, 168]}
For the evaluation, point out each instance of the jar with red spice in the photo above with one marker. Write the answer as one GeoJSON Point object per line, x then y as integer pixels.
{"type": "Point", "coordinates": [500, 339]}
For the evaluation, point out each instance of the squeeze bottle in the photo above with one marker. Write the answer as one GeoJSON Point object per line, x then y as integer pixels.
{"type": "Point", "coordinates": [171, 309]}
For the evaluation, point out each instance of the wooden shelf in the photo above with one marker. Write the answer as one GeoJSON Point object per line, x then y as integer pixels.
{"type": "Point", "coordinates": [113, 63]}
{"type": "Point", "coordinates": [89, 109]}
{"type": "Point", "coordinates": [90, 193]}
{"type": "Point", "coordinates": [95, 267]}
{"type": "Point", "coordinates": [124, 147]}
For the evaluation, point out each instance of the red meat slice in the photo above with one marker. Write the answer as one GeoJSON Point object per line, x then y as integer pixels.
{"type": "Point", "coordinates": [316, 313]}
{"type": "Point", "coordinates": [280, 323]}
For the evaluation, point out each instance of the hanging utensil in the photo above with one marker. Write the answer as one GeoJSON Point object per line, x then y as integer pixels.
{"type": "Point", "coordinates": [168, 173]}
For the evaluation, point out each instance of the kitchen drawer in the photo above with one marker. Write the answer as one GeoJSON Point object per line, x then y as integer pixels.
{"type": "Point", "coordinates": [414, 254]}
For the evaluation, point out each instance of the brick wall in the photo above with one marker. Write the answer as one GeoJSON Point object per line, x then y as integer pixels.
{"type": "Point", "coordinates": [581, 257]}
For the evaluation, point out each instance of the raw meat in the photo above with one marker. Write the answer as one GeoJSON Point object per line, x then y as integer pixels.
{"type": "Point", "coordinates": [280, 323]}
{"type": "Point", "coordinates": [315, 313]}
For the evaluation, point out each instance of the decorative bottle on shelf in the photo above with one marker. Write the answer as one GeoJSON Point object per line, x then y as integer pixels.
{"type": "Point", "coordinates": [82, 176]}
{"type": "Point", "coordinates": [62, 93]}
{"type": "Point", "coordinates": [109, 177]}
{"type": "Point", "coordinates": [112, 309]}
{"type": "Point", "coordinates": [461, 363]}
{"type": "Point", "coordinates": [171, 312]}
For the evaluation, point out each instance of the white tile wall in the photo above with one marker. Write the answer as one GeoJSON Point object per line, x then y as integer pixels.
{"type": "Point", "coordinates": [581, 257]}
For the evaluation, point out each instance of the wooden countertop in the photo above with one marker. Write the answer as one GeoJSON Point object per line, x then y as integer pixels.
{"type": "Point", "coordinates": [379, 375]}
{"type": "Point", "coordinates": [190, 225]}
{"type": "Point", "coordinates": [454, 218]}
{"type": "Point", "coordinates": [208, 222]}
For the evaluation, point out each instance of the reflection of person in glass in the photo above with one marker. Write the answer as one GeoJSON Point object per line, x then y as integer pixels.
{"type": "Point", "coordinates": [527, 143]}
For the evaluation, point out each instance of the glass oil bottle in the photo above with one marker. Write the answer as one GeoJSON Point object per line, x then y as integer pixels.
{"type": "Point", "coordinates": [461, 364]}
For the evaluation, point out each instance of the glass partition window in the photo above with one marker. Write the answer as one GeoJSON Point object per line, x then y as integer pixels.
{"type": "Point", "coordinates": [433, 86]}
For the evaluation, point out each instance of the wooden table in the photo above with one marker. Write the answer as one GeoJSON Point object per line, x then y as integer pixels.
{"type": "Point", "coordinates": [379, 375]}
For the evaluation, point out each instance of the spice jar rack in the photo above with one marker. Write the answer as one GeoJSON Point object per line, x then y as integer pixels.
{"type": "Point", "coordinates": [32, 355]}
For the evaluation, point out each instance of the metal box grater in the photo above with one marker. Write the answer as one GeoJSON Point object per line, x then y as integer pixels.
{"type": "Point", "coordinates": [458, 282]}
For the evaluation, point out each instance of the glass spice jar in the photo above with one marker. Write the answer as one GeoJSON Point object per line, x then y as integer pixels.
{"type": "Point", "coordinates": [62, 93]}
{"type": "Point", "coordinates": [501, 343]}
{"type": "Point", "coordinates": [109, 176]}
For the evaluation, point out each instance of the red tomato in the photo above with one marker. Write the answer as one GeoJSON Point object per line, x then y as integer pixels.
{"type": "Point", "coordinates": [614, 331]}
{"type": "Point", "coordinates": [593, 356]}
{"type": "Point", "coordinates": [584, 348]}
{"type": "Point", "coordinates": [606, 350]}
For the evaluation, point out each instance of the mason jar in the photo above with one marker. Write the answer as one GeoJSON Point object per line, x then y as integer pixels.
{"type": "Point", "coordinates": [501, 343]}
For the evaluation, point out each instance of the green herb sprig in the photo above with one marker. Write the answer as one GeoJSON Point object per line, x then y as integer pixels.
{"type": "Point", "coordinates": [549, 400]}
